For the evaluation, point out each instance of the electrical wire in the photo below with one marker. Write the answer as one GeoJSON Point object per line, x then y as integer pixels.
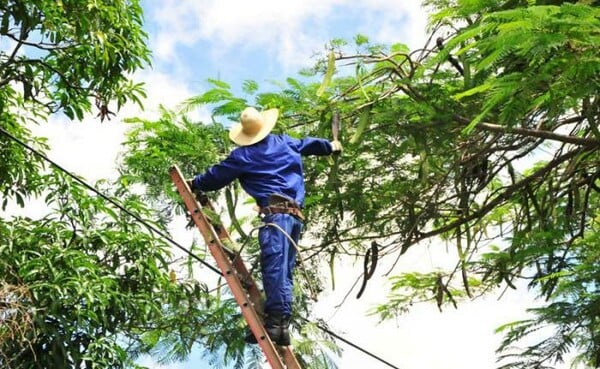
{"type": "Point", "coordinates": [164, 235]}
{"type": "Point", "coordinates": [110, 200]}
{"type": "Point", "coordinates": [351, 344]}
{"type": "Point", "coordinates": [310, 287]}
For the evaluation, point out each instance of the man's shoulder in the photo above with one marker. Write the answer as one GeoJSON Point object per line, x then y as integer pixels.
{"type": "Point", "coordinates": [239, 153]}
{"type": "Point", "coordinates": [244, 151]}
{"type": "Point", "coordinates": [283, 137]}
{"type": "Point", "coordinates": [278, 138]}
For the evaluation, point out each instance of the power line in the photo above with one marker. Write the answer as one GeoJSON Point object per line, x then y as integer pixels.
{"type": "Point", "coordinates": [105, 197]}
{"type": "Point", "coordinates": [352, 344]}
{"type": "Point", "coordinates": [164, 235]}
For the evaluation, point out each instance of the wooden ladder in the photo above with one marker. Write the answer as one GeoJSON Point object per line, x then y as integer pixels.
{"type": "Point", "coordinates": [240, 281]}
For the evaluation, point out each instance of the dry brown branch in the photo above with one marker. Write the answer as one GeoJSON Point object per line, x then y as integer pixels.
{"type": "Point", "coordinates": [16, 321]}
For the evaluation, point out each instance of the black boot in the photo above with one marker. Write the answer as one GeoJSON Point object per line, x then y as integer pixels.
{"type": "Point", "coordinates": [284, 339]}
{"type": "Point", "coordinates": [273, 328]}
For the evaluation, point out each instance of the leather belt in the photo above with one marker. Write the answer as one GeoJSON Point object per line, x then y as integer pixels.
{"type": "Point", "coordinates": [267, 210]}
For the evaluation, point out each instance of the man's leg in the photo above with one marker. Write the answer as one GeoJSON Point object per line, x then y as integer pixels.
{"type": "Point", "coordinates": [274, 246]}
{"type": "Point", "coordinates": [294, 232]}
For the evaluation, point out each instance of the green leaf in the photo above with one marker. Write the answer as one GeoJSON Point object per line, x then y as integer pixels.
{"type": "Point", "coordinates": [475, 90]}
{"type": "Point", "coordinates": [328, 73]}
{"type": "Point", "coordinates": [363, 123]}
{"type": "Point", "coordinates": [249, 86]}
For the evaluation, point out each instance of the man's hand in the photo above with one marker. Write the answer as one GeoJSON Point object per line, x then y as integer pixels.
{"type": "Point", "coordinates": [336, 146]}
{"type": "Point", "coordinates": [199, 194]}
{"type": "Point", "coordinates": [190, 182]}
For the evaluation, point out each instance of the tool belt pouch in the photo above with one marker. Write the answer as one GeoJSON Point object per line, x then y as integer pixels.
{"type": "Point", "coordinates": [280, 204]}
{"type": "Point", "coordinates": [276, 199]}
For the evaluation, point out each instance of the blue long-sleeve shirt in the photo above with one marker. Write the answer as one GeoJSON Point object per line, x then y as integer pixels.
{"type": "Point", "coordinates": [273, 165]}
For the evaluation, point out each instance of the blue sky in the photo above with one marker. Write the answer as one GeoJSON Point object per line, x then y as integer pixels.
{"type": "Point", "coordinates": [265, 40]}
{"type": "Point", "coordinates": [271, 40]}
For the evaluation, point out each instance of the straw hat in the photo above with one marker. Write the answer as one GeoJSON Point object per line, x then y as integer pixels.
{"type": "Point", "coordinates": [253, 126]}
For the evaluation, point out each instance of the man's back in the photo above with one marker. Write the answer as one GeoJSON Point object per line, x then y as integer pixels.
{"type": "Point", "coordinates": [274, 165]}
{"type": "Point", "coordinates": [270, 166]}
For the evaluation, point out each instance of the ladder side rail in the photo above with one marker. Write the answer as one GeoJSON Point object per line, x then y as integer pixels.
{"type": "Point", "coordinates": [238, 264]}
{"type": "Point", "coordinates": [255, 296]}
{"type": "Point", "coordinates": [216, 249]}
{"type": "Point", "coordinates": [289, 358]}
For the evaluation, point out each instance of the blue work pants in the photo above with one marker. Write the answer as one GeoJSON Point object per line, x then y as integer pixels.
{"type": "Point", "coordinates": [278, 258]}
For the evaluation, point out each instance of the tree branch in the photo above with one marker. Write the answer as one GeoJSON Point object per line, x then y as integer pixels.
{"type": "Point", "coordinates": [510, 190]}
{"type": "Point", "coordinates": [581, 141]}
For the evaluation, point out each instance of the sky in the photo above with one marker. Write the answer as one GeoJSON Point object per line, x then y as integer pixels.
{"type": "Point", "coordinates": [194, 40]}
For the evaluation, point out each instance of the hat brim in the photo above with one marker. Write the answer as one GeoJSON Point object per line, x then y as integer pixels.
{"type": "Point", "coordinates": [237, 135]}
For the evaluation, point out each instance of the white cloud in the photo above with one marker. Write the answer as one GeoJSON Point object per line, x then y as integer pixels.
{"type": "Point", "coordinates": [165, 89]}
{"type": "Point", "coordinates": [90, 148]}
{"type": "Point", "coordinates": [236, 22]}
{"type": "Point", "coordinates": [393, 21]}
{"type": "Point", "coordinates": [424, 337]}
{"type": "Point", "coordinates": [288, 31]}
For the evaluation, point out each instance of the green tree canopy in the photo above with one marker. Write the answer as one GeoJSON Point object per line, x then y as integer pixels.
{"type": "Point", "coordinates": [87, 285]}
{"type": "Point", "coordinates": [485, 139]}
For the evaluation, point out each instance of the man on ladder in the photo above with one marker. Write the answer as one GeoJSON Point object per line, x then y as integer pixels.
{"type": "Point", "coordinates": [269, 168]}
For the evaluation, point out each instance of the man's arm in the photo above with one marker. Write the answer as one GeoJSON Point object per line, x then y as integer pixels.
{"type": "Point", "coordinates": [217, 176]}
{"type": "Point", "coordinates": [318, 146]}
